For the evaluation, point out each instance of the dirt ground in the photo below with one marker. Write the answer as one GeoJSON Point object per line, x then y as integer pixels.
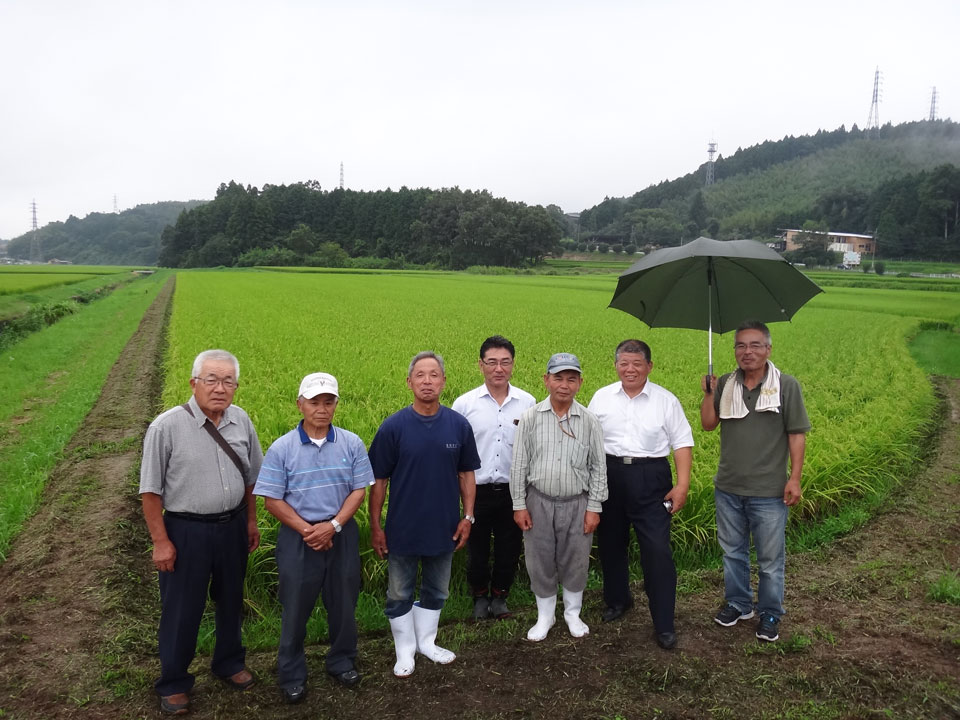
{"type": "Point", "coordinates": [78, 606]}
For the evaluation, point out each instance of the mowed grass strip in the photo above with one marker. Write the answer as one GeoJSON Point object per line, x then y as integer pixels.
{"type": "Point", "coordinates": [868, 401]}
{"type": "Point", "coordinates": [48, 384]}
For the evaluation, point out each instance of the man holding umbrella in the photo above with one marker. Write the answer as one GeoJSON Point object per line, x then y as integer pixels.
{"type": "Point", "coordinates": [763, 422]}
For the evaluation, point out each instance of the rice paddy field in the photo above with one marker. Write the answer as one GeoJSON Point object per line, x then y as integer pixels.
{"type": "Point", "coordinates": [869, 402]}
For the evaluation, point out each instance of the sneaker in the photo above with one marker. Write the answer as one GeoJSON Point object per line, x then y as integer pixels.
{"type": "Point", "coordinates": [729, 615]}
{"type": "Point", "coordinates": [768, 628]}
{"type": "Point", "coordinates": [481, 607]}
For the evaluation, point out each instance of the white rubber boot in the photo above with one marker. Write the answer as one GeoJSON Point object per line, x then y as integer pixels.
{"type": "Point", "coordinates": [405, 643]}
{"type": "Point", "coordinates": [546, 617]}
{"type": "Point", "coordinates": [572, 602]}
{"type": "Point", "coordinates": [426, 623]}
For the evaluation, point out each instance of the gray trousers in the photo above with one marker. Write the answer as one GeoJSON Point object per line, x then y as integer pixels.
{"type": "Point", "coordinates": [305, 575]}
{"type": "Point", "coordinates": [555, 548]}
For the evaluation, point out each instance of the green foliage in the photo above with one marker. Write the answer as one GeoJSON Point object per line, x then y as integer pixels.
{"type": "Point", "coordinates": [50, 381]}
{"type": "Point", "coordinates": [301, 224]}
{"type": "Point", "coordinates": [902, 185]}
{"type": "Point", "coordinates": [937, 352]}
{"type": "Point", "coordinates": [946, 589]}
{"type": "Point", "coordinates": [131, 237]}
{"type": "Point", "coordinates": [867, 421]}
{"type": "Point", "coordinates": [880, 267]}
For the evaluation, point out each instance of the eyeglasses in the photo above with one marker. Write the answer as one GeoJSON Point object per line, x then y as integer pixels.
{"type": "Point", "coordinates": [505, 364]}
{"type": "Point", "coordinates": [755, 346]}
{"type": "Point", "coordinates": [211, 381]}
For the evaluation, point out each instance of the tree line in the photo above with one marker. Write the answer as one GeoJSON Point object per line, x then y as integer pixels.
{"type": "Point", "coordinates": [899, 183]}
{"type": "Point", "coordinates": [302, 224]}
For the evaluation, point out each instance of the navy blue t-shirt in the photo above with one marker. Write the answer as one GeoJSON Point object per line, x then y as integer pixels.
{"type": "Point", "coordinates": [421, 455]}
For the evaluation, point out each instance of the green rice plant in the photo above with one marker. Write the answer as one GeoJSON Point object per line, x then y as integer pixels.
{"type": "Point", "coordinates": [12, 284]}
{"type": "Point", "coordinates": [48, 384]}
{"type": "Point", "coordinates": [868, 401]}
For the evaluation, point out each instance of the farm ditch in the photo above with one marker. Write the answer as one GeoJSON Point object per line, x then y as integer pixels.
{"type": "Point", "coordinates": [862, 637]}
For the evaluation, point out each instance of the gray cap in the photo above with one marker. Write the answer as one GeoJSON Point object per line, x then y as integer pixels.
{"type": "Point", "coordinates": [563, 361]}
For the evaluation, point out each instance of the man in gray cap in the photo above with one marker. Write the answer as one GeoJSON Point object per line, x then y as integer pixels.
{"type": "Point", "coordinates": [313, 480]}
{"type": "Point", "coordinates": [558, 481]}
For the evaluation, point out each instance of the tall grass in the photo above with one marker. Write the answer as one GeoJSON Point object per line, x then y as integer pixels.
{"type": "Point", "coordinates": [867, 399]}
{"type": "Point", "coordinates": [48, 384]}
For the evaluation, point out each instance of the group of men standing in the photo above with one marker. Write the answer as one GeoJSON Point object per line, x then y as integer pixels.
{"type": "Point", "coordinates": [539, 478]}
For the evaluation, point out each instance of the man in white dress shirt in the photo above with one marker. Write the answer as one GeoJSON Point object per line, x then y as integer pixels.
{"type": "Point", "coordinates": [642, 422]}
{"type": "Point", "coordinates": [493, 410]}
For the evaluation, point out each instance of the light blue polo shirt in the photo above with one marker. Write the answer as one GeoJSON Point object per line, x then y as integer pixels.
{"type": "Point", "coordinates": [313, 480]}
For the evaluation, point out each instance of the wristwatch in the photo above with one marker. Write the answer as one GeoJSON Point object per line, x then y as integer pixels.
{"type": "Point", "coordinates": [471, 518]}
{"type": "Point", "coordinates": [336, 526]}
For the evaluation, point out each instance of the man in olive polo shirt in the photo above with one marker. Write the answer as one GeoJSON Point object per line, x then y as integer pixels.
{"type": "Point", "coordinates": [762, 422]}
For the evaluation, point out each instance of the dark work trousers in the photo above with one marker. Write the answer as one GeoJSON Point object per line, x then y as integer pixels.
{"type": "Point", "coordinates": [209, 555]}
{"type": "Point", "coordinates": [636, 499]}
{"type": "Point", "coordinates": [305, 574]}
{"type": "Point", "coordinates": [493, 510]}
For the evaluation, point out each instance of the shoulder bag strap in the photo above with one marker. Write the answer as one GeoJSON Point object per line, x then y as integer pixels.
{"type": "Point", "coordinates": [221, 441]}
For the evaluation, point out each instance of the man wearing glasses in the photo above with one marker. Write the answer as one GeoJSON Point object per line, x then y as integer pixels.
{"type": "Point", "coordinates": [200, 462]}
{"type": "Point", "coordinates": [642, 422]}
{"type": "Point", "coordinates": [493, 410]}
{"type": "Point", "coordinates": [558, 483]}
{"type": "Point", "coordinates": [762, 422]}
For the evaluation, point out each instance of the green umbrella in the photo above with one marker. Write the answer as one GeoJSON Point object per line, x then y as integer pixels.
{"type": "Point", "coordinates": [712, 285]}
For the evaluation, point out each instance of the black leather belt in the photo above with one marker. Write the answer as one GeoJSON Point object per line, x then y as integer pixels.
{"type": "Point", "coordinates": [633, 460]}
{"type": "Point", "coordinates": [214, 518]}
{"type": "Point", "coordinates": [499, 486]}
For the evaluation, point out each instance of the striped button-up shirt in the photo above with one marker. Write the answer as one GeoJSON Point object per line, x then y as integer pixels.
{"type": "Point", "coordinates": [560, 458]}
{"type": "Point", "coordinates": [184, 465]}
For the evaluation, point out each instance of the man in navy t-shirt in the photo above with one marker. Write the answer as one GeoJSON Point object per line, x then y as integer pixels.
{"type": "Point", "coordinates": [427, 454]}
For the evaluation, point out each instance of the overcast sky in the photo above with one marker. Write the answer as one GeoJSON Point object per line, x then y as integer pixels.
{"type": "Point", "coordinates": [539, 101]}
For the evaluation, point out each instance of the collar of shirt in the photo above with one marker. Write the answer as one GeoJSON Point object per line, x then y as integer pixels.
{"type": "Point", "coordinates": [306, 440]}
{"type": "Point", "coordinates": [200, 418]}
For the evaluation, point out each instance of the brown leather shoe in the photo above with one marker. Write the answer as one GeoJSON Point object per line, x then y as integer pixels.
{"type": "Point", "coordinates": [240, 680]}
{"type": "Point", "coordinates": [178, 704]}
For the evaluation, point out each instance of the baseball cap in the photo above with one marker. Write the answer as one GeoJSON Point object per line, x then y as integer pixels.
{"type": "Point", "coordinates": [563, 361]}
{"type": "Point", "coordinates": [318, 384]}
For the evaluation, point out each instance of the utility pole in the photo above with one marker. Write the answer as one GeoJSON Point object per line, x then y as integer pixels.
{"type": "Point", "coordinates": [873, 122]}
{"type": "Point", "coordinates": [711, 151]}
{"type": "Point", "coordinates": [35, 255]}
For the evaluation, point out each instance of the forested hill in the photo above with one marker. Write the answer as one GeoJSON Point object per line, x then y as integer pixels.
{"type": "Point", "coordinates": [131, 237]}
{"type": "Point", "coordinates": [303, 224]}
{"type": "Point", "coordinates": [902, 183]}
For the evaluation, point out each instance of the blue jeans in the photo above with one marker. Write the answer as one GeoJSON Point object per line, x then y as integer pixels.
{"type": "Point", "coordinates": [765, 518]}
{"type": "Point", "coordinates": [402, 580]}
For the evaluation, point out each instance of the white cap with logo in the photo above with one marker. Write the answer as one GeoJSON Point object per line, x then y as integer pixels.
{"type": "Point", "coordinates": [317, 384]}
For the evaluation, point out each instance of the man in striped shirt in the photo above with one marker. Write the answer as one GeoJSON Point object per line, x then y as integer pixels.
{"type": "Point", "coordinates": [313, 480]}
{"type": "Point", "coordinates": [558, 482]}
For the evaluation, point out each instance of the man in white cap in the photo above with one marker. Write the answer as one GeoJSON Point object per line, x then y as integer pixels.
{"type": "Point", "coordinates": [313, 480]}
{"type": "Point", "coordinates": [558, 482]}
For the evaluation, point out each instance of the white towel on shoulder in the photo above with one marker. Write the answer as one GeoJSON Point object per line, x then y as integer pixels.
{"type": "Point", "coordinates": [731, 399]}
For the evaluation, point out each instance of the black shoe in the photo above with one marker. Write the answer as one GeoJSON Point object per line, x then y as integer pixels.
{"type": "Point", "coordinates": [730, 615]}
{"type": "Point", "coordinates": [667, 640]}
{"type": "Point", "coordinates": [294, 694]}
{"type": "Point", "coordinates": [348, 679]}
{"type": "Point", "coordinates": [481, 607]}
{"type": "Point", "coordinates": [499, 609]}
{"type": "Point", "coordinates": [768, 628]}
{"type": "Point", "coordinates": [614, 612]}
